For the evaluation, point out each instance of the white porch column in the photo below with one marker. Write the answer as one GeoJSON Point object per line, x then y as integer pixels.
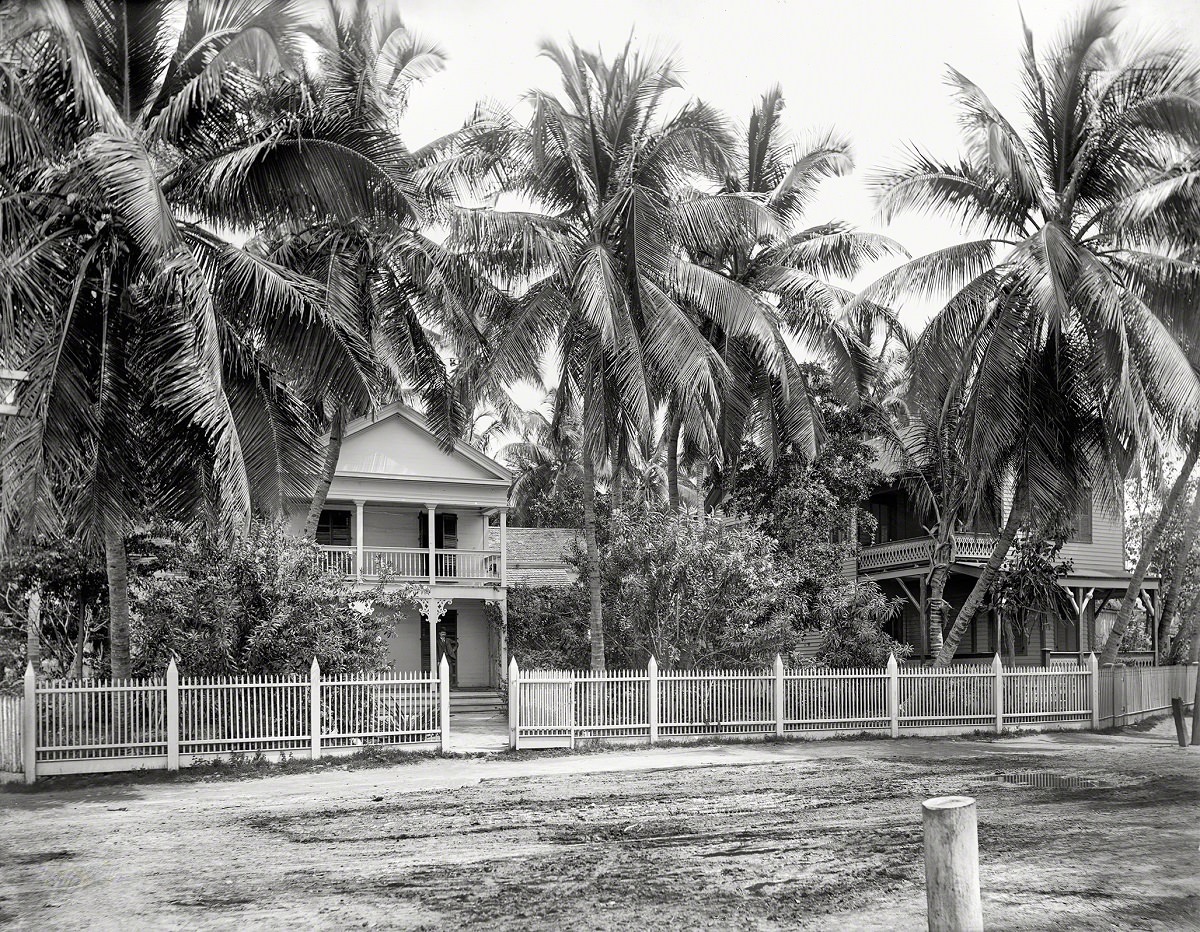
{"type": "Point", "coordinates": [503, 547]}
{"type": "Point", "coordinates": [434, 610]}
{"type": "Point", "coordinates": [358, 537]}
{"type": "Point", "coordinates": [430, 510]}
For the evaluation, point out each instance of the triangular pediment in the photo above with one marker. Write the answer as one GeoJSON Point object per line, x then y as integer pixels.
{"type": "Point", "coordinates": [396, 443]}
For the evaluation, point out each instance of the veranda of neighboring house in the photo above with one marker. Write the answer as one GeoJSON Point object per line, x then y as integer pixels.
{"type": "Point", "coordinates": [899, 560]}
{"type": "Point", "coordinates": [403, 507]}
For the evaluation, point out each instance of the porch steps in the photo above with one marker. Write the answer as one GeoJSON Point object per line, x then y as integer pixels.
{"type": "Point", "coordinates": [475, 700]}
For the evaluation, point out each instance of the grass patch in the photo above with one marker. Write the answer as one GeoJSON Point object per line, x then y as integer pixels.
{"type": "Point", "coordinates": [236, 767]}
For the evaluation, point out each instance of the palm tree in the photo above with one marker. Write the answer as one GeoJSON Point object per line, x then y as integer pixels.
{"type": "Point", "coordinates": [545, 458]}
{"type": "Point", "coordinates": [599, 255]}
{"type": "Point", "coordinates": [160, 352]}
{"type": "Point", "coordinates": [1069, 308]}
{"type": "Point", "coordinates": [409, 298]}
{"type": "Point", "coordinates": [749, 232]}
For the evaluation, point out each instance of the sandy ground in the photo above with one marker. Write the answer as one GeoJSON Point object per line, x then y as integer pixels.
{"type": "Point", "coordinates": [821, 835]}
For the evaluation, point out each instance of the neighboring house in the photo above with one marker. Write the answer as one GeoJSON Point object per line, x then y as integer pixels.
{"type": "Point", "coordinates": [537, 556]}
{"type": "Point", "coordinates": [898, 559]}
{"type": "Point", "coordinates": [403, 506]}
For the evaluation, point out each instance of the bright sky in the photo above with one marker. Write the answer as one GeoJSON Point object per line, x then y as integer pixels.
{"type": "Point", "coordinates": [872, 69]}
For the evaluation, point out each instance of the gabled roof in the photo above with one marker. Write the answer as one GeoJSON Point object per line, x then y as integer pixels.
{"type": "Point", "coordinates": [414, 451]}
{"type": "Point", "coordinates": [537, 556]}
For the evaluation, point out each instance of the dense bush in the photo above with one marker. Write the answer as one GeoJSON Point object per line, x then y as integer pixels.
{"type": "Point", "coordinates": [547, 626]}
{"type": "Point", "coordinates": [694, 591]}
{"type": "Point", "coordinates": [263, 605]}
{"type": "Point", "coordinates": [850, 618]}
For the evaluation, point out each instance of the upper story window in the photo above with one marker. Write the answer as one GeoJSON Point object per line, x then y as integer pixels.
{"type": "Point", "coordinates": [333, 528]}
{"type": "Point", "coordinates": [445, 529]}
{"type": "Point", "coordinates": [1081, 520]}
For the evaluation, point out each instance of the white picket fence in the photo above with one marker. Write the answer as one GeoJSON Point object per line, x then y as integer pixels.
{"type": "Point", "coordinates": [82, 726]}
{"type": "Point", "coordinates": [558, 708]}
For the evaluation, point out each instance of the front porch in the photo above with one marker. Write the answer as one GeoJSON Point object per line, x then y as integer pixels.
{"type": "Point", "coordinates": [1051, 638]}
{"type": "Point", "coordinates": [464, 630]}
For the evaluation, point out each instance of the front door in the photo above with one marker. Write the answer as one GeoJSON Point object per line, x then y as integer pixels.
{"type": "Point", "coordinates": [447, 635]}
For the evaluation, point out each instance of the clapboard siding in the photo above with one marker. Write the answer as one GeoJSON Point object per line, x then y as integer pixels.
{"type": "Point", "coordinates": [1106, 552]}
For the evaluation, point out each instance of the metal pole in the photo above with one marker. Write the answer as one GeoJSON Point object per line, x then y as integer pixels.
{"type": "Point", "coordinates": [952, 864]}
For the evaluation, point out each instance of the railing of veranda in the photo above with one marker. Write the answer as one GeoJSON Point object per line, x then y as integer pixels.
{"type": "Point", "coordinates": [558, 708]}
{"type": "Point", "coordinates": [85, 726]}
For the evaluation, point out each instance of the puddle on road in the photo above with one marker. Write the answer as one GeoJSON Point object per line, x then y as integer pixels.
{"type": "Point", "coordinates": [1049, 781]}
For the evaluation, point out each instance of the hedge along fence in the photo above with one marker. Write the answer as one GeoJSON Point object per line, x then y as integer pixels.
{"type": "Point", "coordinates": [557, 708]}
{"type": "Point", "coordinates": [80, 726]}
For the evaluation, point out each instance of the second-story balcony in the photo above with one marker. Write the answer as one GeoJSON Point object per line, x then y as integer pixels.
{"type": "Point", "coordinates": [411, 564]}
{"type": "Point", "coordinates": [969, 547]}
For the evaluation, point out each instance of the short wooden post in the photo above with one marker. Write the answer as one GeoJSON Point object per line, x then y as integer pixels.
{"type": "Point", "coordinates": [444, 701]}
{"type": "Point", "coordinates": [514, 691]}
{"type": "Point", "coordinates": [893, 696]}
{"type": "Point", "coordinates": [172, 716]}
{"type": "Point", "coordinates": [29, 725]}
{"type": "Point", "coordinates": [998, 692]}
{"type": "Point", "coordinates": [314, 708]}
{"type": "Point", "coordinates": [1180, 727]}
{"type": "Point", "coordinates": [652, 697]}
{"type": "Point", "coordinates": [1093, 667]}
{"type": "Point", "coordinates": [780, 687]}
{"type": "Point", "coordinates": [952, 864]}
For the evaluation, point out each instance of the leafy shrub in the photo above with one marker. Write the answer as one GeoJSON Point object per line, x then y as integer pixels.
{"type": "Point", "coordinates": [850, 619]}
{"type": "Point", "coordinates": [263, 605]}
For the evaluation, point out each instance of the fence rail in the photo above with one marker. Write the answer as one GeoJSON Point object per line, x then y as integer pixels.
{"type": "Point", "coordinates": [81, 726]}
{"type": "Point", "coordinates": [557, 708]}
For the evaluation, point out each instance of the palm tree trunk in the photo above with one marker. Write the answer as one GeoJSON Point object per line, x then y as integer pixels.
{"type": "Point", "coordinates": [1008, 637]}
{"type": "Point", "coordinates": [33, 629]}
{"type": "Point", "coordinates": [595, 607]}
{"type": "Point", "coordinates": [939, 572]}
{"type": "Point", "coordinates": [1149, 545]}
{"type": "Point", "coordinates": [674, 425]}
{"type": "Point", "coordinates": [616, 488]}
{"type": "Point", "coordinates": [333, 451]}
{"type": "Point", "coordinates": [966, 615]}
{"type": "Point", "coordinates": [1183, 553]}
{"type": "Point", "coordinates": [1186, 639]}
{"type": "Point", "coordinates": [117, 564]}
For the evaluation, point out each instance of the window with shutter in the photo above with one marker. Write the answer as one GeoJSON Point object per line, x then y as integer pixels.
{"type": "Point", "coordinates": [1081, 520]}
{"type": "Point", "coordinates": [333, 528]}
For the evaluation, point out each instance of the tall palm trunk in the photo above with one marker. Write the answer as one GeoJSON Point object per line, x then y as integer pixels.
{"type": "Point", "coordinates": [939, 573]}
{"type": "Point", "coordinates": [674, 425]}
{"type": "Point", "coordinates": [1183, 553]}
{"type": "Point", "coordinates": [333, 451]}
{"type": "Point", "coordinates": [1149, 545]}
{"type": "Point", "coordinates": [117, 564]}
{"type": "Point", "coordinates": [33, 629]}
{"type": "Point", "coordinates": [966, 615]}
{"type": "Point", "coordinates": [595, 607]}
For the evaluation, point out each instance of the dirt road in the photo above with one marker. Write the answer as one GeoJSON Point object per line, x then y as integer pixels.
{"type": "Point", "coordinates": [822, 835]}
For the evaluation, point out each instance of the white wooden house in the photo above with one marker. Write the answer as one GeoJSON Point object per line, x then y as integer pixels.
{"type": "Point", "coordinates": [404, 508]}
{"type": "Point", "coordinates": [898, 558]}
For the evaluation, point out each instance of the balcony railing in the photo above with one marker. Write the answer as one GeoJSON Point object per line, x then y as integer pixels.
{"type": "Point", "coordinates": [969, 547]}
{"type": "Point", "coordinates": [411, 564]}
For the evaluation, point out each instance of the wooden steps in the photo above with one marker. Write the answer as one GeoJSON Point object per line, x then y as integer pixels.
{"type": "Point", "coordinates": [475, 700]}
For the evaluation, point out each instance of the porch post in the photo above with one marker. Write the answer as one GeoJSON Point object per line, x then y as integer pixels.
{"type": "Point", "coordinates": [432, 541]}
{"type": "Point", "coordinates": [503, 547]}
{"type": "Point", "coordinates": [431, 614]}
{"type": "Point", "coordinates": [358, 537]}
{"type": "Point", "coordinates": [502, 639]}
